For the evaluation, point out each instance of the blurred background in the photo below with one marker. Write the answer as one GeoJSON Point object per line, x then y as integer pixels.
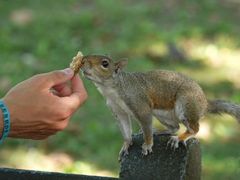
{"type": "Point", "coordinates": [198, 38]}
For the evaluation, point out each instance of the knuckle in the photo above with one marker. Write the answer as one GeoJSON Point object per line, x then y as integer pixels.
{"type": "Point", "coordinates": [83, 98]}
{"type": "Point", "coordinates": [61, 126]}
{"type": "Point", "coordinates": [58, 74]}
{"type": "Point", "coordinates": [64, 113]}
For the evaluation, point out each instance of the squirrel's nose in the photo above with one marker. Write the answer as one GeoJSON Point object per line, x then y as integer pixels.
{"type": "Point", "coordinates": [84, 63]}
{"type": "Point", "coordinates": [84, 59]}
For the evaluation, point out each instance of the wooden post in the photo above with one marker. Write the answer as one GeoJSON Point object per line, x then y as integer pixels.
{"type": "Point", "coordinates": [164, 163]}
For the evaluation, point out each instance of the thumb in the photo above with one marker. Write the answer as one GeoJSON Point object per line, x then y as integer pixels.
{"type": "Point", "coordinates": [58, 77]}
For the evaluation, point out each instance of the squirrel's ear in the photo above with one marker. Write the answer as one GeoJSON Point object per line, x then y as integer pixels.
{"type": "Point", "coordinates": [120, 65]}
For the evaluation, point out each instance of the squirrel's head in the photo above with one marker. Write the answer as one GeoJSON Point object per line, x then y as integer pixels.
{"type": "Point", "coordinates": [100, 68]}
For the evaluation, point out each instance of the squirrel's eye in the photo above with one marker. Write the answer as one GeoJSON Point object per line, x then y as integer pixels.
{"type": "Point", "coordinates": [105, 63]}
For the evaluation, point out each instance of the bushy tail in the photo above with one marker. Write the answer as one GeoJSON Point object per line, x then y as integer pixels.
{"type": "Point", "coordinates": [221, 106]}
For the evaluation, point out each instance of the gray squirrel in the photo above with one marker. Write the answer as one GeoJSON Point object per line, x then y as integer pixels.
{"type": "Point", "coordinates": [169, 96]}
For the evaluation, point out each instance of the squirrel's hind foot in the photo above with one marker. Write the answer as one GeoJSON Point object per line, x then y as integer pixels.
{"type": "Point", "coordinates": [146, 149]}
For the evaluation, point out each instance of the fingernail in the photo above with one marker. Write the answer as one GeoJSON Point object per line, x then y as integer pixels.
{"type": "Point", "coordinates": [68, 71]}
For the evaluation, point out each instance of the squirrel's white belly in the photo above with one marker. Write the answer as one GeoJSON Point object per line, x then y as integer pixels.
{"type": "Point", "coordinates": [113, 99]}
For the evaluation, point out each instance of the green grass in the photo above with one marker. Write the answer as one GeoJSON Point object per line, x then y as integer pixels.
{"type": "Point", "coordinates": [58, 29]}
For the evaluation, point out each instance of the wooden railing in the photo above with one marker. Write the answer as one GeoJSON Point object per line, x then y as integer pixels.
{"type": "Point", "coordinates": [164, 163]}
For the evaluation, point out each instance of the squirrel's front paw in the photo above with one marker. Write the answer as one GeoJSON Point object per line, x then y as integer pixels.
{"type": "Point", "coordinates": [146, 149]}
{"type": "Point", "coordinates": [124, 149]}
{"type": "Point", "coordinates": [173, 142]}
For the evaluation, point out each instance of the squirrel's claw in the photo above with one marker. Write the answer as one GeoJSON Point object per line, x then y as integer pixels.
{"type": "Point", "coordinates": [173, 142]}
{"type": "Point", "coordinates": [146, 149]}
{"type": "Point", "coordinates": [185, 142]}
{"type": "Point", "coordinates": [122, 153]}
{"type": "Point", "coordinates": [124, 150]}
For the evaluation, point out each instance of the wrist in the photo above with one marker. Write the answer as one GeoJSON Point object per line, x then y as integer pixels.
{"type": "Point", "coordinates": [1, 123]}
{"type": "Point", "coordinates": [5, 121]}
{"type": "Point", "coordinates": [11, 111]}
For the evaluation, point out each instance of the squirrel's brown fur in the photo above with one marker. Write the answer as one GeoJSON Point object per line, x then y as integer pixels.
{"type": "Point", "coordinates": [169, 96]}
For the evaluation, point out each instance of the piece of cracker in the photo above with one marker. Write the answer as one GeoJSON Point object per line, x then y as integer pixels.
{"type": "Point", "coordinates": [76, 63]}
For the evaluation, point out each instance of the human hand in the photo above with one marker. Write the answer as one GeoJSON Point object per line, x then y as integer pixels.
{"type": "Point", "coordinates": [42, 105]}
